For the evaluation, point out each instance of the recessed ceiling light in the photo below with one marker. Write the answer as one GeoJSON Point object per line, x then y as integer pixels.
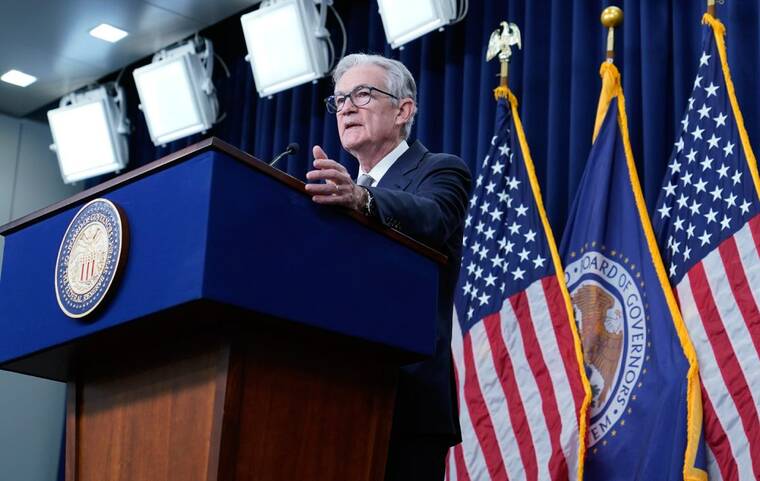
{"type": "Point", "coordinates": [19, 78]}
{"type": "Point", "coordinates": [109, 33]}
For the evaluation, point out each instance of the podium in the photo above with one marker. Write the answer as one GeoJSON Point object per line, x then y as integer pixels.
{"type": "Point", "coordinates": [252, 334]}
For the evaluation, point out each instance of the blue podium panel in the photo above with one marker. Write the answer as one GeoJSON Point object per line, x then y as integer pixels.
{"type": "Point", "coordinates": [211, 227]}
{"type": "Point", "coordinates": [282, 254]}
{"type": "Point", "coordinates": [167, 214]}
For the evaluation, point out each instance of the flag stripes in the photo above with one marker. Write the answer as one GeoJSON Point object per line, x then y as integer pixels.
{"type": "Point", "coordinates": [528, 434]}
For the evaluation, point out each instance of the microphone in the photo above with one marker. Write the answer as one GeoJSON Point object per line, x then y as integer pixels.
{"type": "Point", "coordinates": [292, 149]}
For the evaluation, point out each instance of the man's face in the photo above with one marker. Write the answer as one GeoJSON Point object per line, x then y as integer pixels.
{"type": "Point", "coordinates": [363, 128]}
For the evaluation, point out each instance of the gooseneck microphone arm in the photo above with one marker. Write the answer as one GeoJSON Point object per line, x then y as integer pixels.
{"type": "Point", "coordinates": [292, 149]}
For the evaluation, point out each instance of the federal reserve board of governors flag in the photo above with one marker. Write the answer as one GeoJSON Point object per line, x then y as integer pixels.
{"type": "Point", "coordinates": [645, 415]}
{"type": "Point", "coordinates": [708, 228]}
{"type": "Point", "coordinates": [521, 389]}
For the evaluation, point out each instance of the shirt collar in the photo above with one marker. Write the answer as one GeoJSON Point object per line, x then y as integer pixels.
{"type": "Point", "coordinates": [378, 171]}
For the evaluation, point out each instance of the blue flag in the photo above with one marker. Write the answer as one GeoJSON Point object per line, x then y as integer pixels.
{"type": "Point", "coordinates": [645, 416]}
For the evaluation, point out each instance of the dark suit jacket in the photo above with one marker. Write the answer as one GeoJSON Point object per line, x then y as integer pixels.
{"type": "Point", "coordinates": [424, 195]}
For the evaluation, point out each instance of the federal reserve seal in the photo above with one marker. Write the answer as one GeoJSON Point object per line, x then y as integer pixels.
{"type": "Point", "coordinates": [611, 317]}
{"type": "Point", "coordinates": [89, 257]}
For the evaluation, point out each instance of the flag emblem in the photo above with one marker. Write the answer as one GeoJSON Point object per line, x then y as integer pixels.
{"type": "Point", "coordinates": [610, 312]}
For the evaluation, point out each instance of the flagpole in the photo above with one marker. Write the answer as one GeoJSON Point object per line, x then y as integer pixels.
{"type": "Point", "coordinates": [611, 18]}
{"type": "Point", "coordinates": [711, 7]}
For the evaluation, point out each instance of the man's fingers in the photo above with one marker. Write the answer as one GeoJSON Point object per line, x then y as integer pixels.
{"type": "Point", "coordinates": [328, 164]}
{"type": "Point", "coordinates": [328, 174]}
{"type": "Point", "coordinates": [332, 200]}
{"type": "Point", "coordinates": [318, 152]}
{"type": "Point", "coordinates": [324, 189]}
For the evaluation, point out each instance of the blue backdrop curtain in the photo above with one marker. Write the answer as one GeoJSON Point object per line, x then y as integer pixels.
{"type": "Point", "coordinates": [555, 78]}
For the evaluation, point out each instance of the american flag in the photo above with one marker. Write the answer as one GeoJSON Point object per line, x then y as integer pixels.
{"type": "Point", "coordinates": [519, 378]}
{"type": "Point", "coordinates": [709, 231]}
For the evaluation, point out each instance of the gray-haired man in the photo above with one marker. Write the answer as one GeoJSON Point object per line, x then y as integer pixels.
{"type": "Point", "coordinates": [416, 192]}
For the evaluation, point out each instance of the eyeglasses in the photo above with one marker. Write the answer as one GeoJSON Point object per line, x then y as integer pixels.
{"type": "Point", "coordinates": [360, 96]}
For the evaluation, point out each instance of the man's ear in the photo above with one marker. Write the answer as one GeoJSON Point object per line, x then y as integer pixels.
{"type": "Point", "coordinates": [406, 109]}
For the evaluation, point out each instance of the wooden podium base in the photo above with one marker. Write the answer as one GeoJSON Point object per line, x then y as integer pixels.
{"type": "Point", "coordinates": [260, 405]}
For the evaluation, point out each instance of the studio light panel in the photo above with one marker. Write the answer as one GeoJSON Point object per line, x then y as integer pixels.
{"type": "Point", "coordinates": [87, 142]}
{"type": "Point", "coordinates": [283, 48]}
{"type": "Point", "coordinates": [405, 20]}
{"type": "Point", "coordinates": [172, 98]}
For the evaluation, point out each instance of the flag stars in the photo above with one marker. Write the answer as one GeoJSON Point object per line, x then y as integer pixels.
{"type": "Point", "coordinates": [669, 189]}
{"type": "Point", "coordinates": [690, 231]}
{"type": "Point", "coordinates": [496, 214]}
{"type": "Point", "coordinates": [705, 238]}
{"type": "Point", "coordinates": [484, 207]}
{"type": "Point", "coordinates": [504, 150]}
{"type": "Point", "coordinates": [678, 224]}
{"type": "Point", "coordinates": [479, 181]}
{"type": "Point", "coordinates": [737, 177]}
{"type": "Point", "coordinates": [710, 216]}
{"type": "Point", "coordinates": [523, 254]}
{"type": "Point", "coordinates": [675, 166]}
{"type": "Point", "coordinates": [725, 223]}
{"type": "Point", "coordinates": [704, 111]}
{"type": "Point", "coordinates": [700, 186]}
{"type": "Point", "coordinates": [497, 261]}
{"type": "Point", "coordinates": [704, 59]}
{"type": "Point", "coordinates": [686, 179]}
{"type": "Point", "coordinates": [480, 226]}
{"type": "Point", "coordinates": [521, 210]}
{"type": "Point", "coordinates": [706, 164]}
{"type": "Point", "coordinates": [672, 270]}
{"type": "Point", "coordinates": [745, 207]}
{"type": "Point", "coordinates": [723, 171]}
{"type": "Point", "coordinates": [491, 187]}
{"type": "Point", "coordinates": [713, 141]}
{"type": "Point", "coordinates": [730, 201]}
{"type": "Point", "coordinates": [720, 120]}
{"type": "Point", "coordinates": [711, 90]}
{"type": "Point", "coordinates": [504, 197]}
{"type": "Point", "coordinates": [518, 274]}
{"type": "Point", "coordinates": [530, 236]}
{"type": "Point", "coordinates": [489, 233]}
{"type": "Point", "coordinates": [697, 83]}
{"type": "Point", "coordinates": [484, 299]}
{"type": "Point", "coordinates": [692, 155]}
{"type": "Point", "coordinates": [490, 280]}
{"type": "Point", "coordinates": [513, 183]}
{"type": "Point", "coordinates": [497, 168]}
{"type": "Point", "coordinates": [687, 253]}
{"type": "Point", "coordinates": [679, 144]}
{"type": "Point", "coordinates": [478, 273]}
{"type": "Point", "coordinates": [697, 133]}
{"type": "Point", "coordinates": [694, 207]}
{"type": "Point", "coordinates": [539, 261]}
{"type": "Point", "coordinates": [514, 228]}
{"type": "Point", "coordinates": [716, 193]}
{"type": "Point", "coordinates": [683, 200]}
{"type": "Point", "coordinates": [729, 148]}
{"type": "Point", "coordinates": [664, 211]}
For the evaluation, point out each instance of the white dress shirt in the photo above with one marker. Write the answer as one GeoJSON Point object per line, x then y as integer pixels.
{"type": "Point", "coordinates": [378, 171]}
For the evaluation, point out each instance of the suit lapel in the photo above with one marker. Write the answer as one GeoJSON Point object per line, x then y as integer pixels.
{"type": "Point", "coordinates": [399, 176]}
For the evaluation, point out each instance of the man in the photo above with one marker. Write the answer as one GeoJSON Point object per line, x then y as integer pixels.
{"type": "Point", "coordinates": [421, 194]}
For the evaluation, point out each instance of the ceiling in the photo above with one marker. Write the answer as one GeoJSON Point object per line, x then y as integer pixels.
{"type": "Point", "coordinates": [49, 39]}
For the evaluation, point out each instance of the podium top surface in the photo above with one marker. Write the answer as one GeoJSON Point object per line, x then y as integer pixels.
{"type": "Point", "coordinates": [188, 152]}
{"type": "Point", "coordinates": [212, 226]}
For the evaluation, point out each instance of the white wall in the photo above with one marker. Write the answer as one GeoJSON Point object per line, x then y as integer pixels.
{"type": "Point", "coordinates": [31, 409]}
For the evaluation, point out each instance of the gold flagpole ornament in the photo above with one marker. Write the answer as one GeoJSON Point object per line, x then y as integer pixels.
{"type": "Point", "coordinates": [611, 18]}
{"type": "Point", "coordinates": [711, 7]}
{"type": "Point", "coordinates": [500, 44]}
